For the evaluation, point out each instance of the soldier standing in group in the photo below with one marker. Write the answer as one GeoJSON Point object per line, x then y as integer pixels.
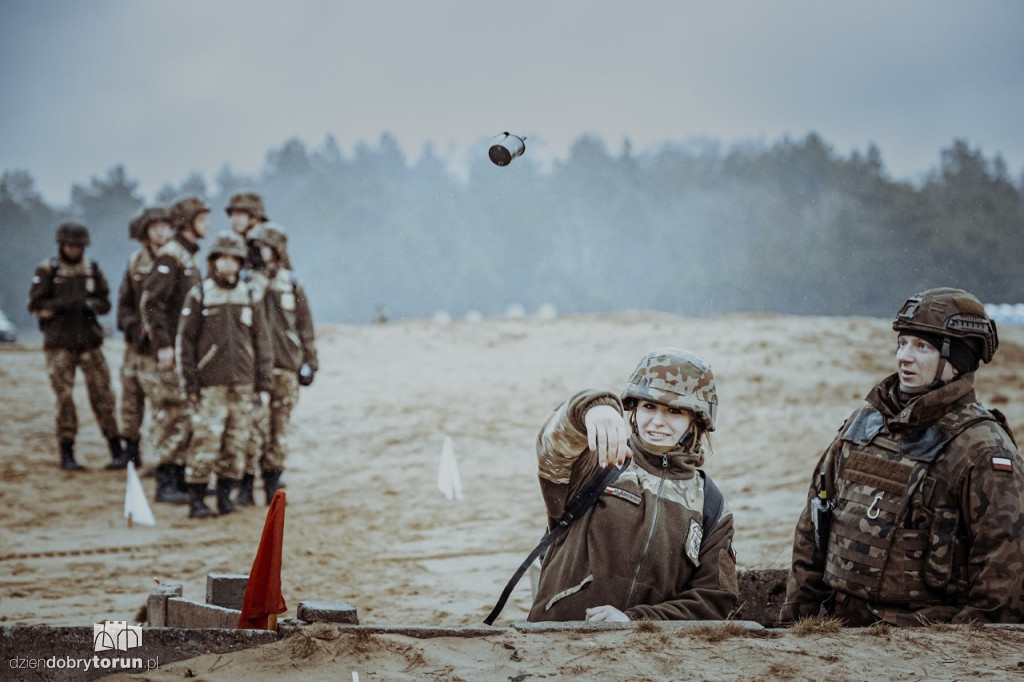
{"type": "Point", "coordinates": [295, 362]}
{"type": "Point", "coordinates": [67, 295]}
{"type": "Point", "coordinates": [174, 273]}
{"type": "Point", "coordinates": [916, 509]}
{"type": "Point", "coordinates": [225, 358]}
{"type": "Point", "coordinates": [246, 211]}
{"type": "Point", "coordinates": [138, 370]}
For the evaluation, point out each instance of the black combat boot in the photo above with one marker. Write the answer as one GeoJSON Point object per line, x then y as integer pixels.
{"type": "Point", "coordinates": [244, 497]}
{"type": "Point", "coordinates": [167, 489]}
{"type": "Point", "coordinates": [131, 451]}
{"type": "Point", "coordinates": [270, 483]}
{"type": "Point", "coordinates": [224, 488]}
{"type": "Point", "coordinates": [118, 457]}
{"type": "Point", "coordinates": [67, 456]}
{"type": "Point", "coordinates": [197, 508]}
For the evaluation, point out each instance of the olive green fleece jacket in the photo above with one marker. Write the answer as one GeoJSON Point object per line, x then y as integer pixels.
{"type": "Point", "coordinates": [641, 548]}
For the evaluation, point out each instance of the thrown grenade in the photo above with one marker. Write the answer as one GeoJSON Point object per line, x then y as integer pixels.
{"type": "Point", "coordinates": [508, 148]}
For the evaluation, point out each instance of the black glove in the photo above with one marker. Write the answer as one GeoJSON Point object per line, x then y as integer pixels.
{"type": "Point", "coordinates": [306, 374]}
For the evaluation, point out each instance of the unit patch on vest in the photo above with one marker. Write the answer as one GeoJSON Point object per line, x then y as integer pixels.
{"type": "Point", "coordinates": [693, 538]}
{"type": "Point", "coordinates": [1002, 464]}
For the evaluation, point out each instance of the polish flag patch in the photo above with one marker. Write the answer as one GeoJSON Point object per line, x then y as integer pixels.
{"type": "Point", "coordinates": [1002, 464]}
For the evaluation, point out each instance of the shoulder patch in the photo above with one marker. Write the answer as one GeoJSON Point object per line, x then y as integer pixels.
{"type": "Point", "coordinates": [1002, 464]}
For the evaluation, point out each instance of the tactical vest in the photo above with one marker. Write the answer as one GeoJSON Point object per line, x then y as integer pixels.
{"type": "Point", "coordinates": [879, 548]}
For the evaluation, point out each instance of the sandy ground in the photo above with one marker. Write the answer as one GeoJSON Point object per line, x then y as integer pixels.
{"type": "Point", "coordinates": [366, 524]}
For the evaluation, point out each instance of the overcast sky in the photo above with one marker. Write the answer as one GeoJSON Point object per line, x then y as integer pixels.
{"type": "Point", "coordinates": [170, 87]}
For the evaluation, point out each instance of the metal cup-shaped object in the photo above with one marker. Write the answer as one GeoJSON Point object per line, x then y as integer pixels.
{"type": "Point", "coordinates": [509, 148]}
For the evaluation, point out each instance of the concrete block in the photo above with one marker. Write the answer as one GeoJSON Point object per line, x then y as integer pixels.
{"type": "Point", "coordinates": [156, 604]}
{"type": "Point", "coordinates": [227, 590]}
{"type": "Point", "coordinates": [182, 613]}
{"type": "Point", "coordinates": [762, 592]}
{"type": "Point", "coordinates": [327, 612]}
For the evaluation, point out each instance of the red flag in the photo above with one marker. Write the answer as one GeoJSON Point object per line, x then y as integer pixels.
{"type": "Point", "coordinates": [263, 591]}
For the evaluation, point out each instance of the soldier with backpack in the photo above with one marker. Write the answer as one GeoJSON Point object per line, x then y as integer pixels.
{"type": "Point", "coordinates": [67, 295]}
{"type": "Point", "coordinates": [646, 547]}
{"type": "Point", "coordinates": [916, 510]}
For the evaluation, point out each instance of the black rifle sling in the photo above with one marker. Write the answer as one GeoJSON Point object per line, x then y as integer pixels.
{"type": "Point", "coordinates": [576, 507]}
{"type": "Point", "coordinates": [714, 505]}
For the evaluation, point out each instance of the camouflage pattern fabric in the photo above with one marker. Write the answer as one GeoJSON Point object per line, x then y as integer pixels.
{"type": "Point", "coordinates": [283, 398]}
{"type": "Point", "coordinates": [677, 378]}
{"type": "Point", "coordinates": [258, 438]}
{"type": "Point", "coordinates": [61, 364]}
{"type": "Point", "coordinates": [928, 519]}
{"type": "Point", "coordinates": [134, 369]}
{"type": "Point", "coordinates": [220, 430]}
{"type": "Point", "coordinates": [171, 419]}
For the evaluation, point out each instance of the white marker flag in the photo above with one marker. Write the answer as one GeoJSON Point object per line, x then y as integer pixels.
{"type": "Point", "coordinates": [448, 480]}
{"type": "Point", "coordinates": [136, 508]}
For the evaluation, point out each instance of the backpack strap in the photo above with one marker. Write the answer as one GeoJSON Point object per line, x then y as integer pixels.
{"type": "Point", "coordinates": [714, 503]}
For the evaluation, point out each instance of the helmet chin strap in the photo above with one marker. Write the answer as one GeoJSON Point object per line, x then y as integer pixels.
{"type": "Point", "coordinates": [943, 359]}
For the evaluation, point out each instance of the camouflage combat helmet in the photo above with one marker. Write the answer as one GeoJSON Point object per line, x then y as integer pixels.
{"type": "Point", "coordinates": [183, 212]}
{"type": "Point", "coordinates": [677, 378]}
{"type": "Point", "coordinates": [227, 244]}
{"type": "Point", "coordinates": [138, 226]}
{"type": "Point", "coordinates": [135, 230]}
{"type": "Point", "coordinates": [250, 203]}
{"type": "Point", "coordinates": [273, 235]}
{"type": "Point", "coordinates": [75, 234]}
{"type": "Point", "coordinates": [949, 314]}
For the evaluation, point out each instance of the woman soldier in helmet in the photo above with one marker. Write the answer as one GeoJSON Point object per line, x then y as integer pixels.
{"type": "Point", "coordinates": [657, 543]}
{"type": "Point", "coordinates": [917, 508]}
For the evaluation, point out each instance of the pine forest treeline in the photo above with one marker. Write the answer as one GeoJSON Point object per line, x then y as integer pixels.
{"type": "Point", "coordinates": [693, 229]}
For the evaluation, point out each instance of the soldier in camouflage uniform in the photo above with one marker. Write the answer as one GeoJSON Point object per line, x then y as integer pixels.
{"type": "Point", "coordinates": [225, 357]}
{"type": "Point", "coordinates": [152, 229]}
{"type": "Point", "coordinates": [67, 295]}
{"type": "Point", "coordinates": [174, 273]}
{"type": "Point", "coordinates": [922, 489]}
{"type": "Point", "coordinates": [657, 544]}
{"type": "Point", "coordinates": [246, 211]}
{"type": "Point", "coordinates": [295, 362]}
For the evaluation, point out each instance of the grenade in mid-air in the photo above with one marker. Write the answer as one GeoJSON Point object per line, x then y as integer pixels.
{"type": "Point", "coordinates": [508, 148]}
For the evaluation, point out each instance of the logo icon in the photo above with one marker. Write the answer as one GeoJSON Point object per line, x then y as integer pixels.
{"type": "Point", "coordinates": [116, 634]}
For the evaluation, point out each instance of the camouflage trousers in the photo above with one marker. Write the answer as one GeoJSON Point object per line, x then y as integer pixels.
{"type": "Point", "coordinates": [138, 372]}
{"type": "Point", "coordinates": [171, 423]}
{"type": "Point", "coordinates": [220, 432]}
{"type": "Point", "coordinates": [61, 364]}
{"type": "Point", "coordinates": [272, 425]}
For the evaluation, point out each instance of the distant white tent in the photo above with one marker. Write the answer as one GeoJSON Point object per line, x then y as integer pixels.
{"type": "Point", "coordinates": [136, 507]}
{"type": "Point", "coordinates": [448, 480]}
{"type": "Point", "coordinates": [547, 311]}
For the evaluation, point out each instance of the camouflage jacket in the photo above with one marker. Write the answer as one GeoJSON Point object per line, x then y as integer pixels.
{"type": "Point", "coordinates": [174, 273]}
{"type": "Point", "coordinates": [224, 339]}
{"type": "Point", "coordinates": [288, 317]}
{"type": "Point", "coordinates": [129, 297]}
{"type": "Point", "coordinates": [928, 519]}
{"type": "Point", "coordinates": [67, 298]}
{"type": "Point", "coordinates": [641, 548]}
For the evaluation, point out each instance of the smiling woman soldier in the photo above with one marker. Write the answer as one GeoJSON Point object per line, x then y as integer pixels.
{"type": "Point", "coordinates": [917, 508]}
{"type": "Point", "coordinates": [657, 543]}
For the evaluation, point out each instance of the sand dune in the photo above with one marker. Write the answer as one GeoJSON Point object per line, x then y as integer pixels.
{"type": "Point", "coordinates": [365, 522]}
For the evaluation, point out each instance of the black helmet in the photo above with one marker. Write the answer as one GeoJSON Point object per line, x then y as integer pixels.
{"type": "Point", "coordinates": [75, 234]}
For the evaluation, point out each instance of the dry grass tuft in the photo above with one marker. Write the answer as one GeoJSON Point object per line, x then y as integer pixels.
{"type": "Point", "coordinates": [816, 625]}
